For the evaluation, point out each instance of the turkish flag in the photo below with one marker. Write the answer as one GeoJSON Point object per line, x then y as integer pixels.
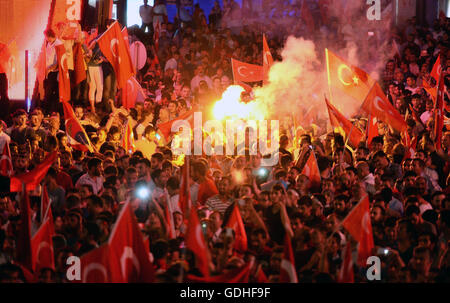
{"type": "Point", "coordinates": [376, 104]}
{"type": "Point", "coordinates": [348, 78]}
{"type": "Point", "coordinates": [246, 72]}
{"type": "Point", "coordinates": [166, 128]}
{"type": "Point", "coordinates": [34, 177]}
{"type": "Point", "coordinates": [42, 245]}
{"type": "Point", "coordinates": [206, 189]}
{"type": "Point", "coordinates": [235, 222]}
{"type": "Point", "coordinates": [432, 90]}
{"type": "Point", "coordinates": [127, 43]}
{"type": "Point", "coordinates": [78, 63]}
{"type": "Point", "coordinates": [346, 274]}
{"type": "Point", "coordinates": [437, 69]}
{"type": "Point", "coordinates": [358, 225]}
{"type": "Point", "coordinates": [184, 199]}
{"type": "Point", "coordinates": [45, 203]}
{"type": "Point", "coordinates": [23, 241]}
{"type": "Point", "coordinates": [63, 68]}
{"type": "Point", "coordinates": [195, 242]}
{"type": "Point", "coordinates": [128, 138]}
{"type": "Point", "coordinates": [338, 120]}
{"type": "Point", "coordinates": [6, 167]}
{"type": "Point", "coordinates": [311, 170]}
{"type": "Point", "coordinates": [95, 266]}
{"type": "Point", "coordinates": [236, 275]}
{"type": "Point", "coordinates": [129, 259]}
{"type": "Point", "coordinates": [91, 37]}
{"type": "Point", "coordinates": [410, 145]}
{"type": "Point", "coordinates": [76, 134]}
{"type": "Point", "coordinates": [116, 50]}
{"type": "Point", "coordinates": [267, 60]}
{"type": "Point", "coordinates": [307, 17]}
{"type": "Point", "coordinates": [132, 92]}
{"type": "Point", "coordinates": [439, 114]}
{"type": "Point", "coordinates": [372, 129]}
{"type": "Point", "coordinates": [288, 274]}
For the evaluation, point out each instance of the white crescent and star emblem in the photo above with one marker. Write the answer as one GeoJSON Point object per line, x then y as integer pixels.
{"type": "Point", "coordinates": [114, 42]}
{"type": "Point", "coordinates": [64, 65]}
{"type": "Point", "coordinates": [354, 78]}
{"type": "Point", "coordinates": [245, 74]}
{"type": "Point", "coordinates": [42, 245]}
{"type": "Point", "coordinates": [94, 266]}
{"type": "Point", "coordinates": [128, 253]}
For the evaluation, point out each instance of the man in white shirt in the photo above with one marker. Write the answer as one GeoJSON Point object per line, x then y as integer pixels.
{"type": "Point", "coordinates": [428, 113]}
{"type": "Point", "coordinates": [172, 63]}
{"type": "Point", "coordinates": [146, 13]}
{"type": "Point", "coordinates": [51, 72]}
{"type": "Point", "coordinates": [93, 177]}
{"type": "Point", "coordinates": [159, 13]}
{"type": "Point", "coordinates": [195, 82]}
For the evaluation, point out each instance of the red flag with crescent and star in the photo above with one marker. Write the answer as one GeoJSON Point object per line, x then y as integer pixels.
{"type": "Point", "coordinates": [359, 226]}
{"type": "Point", "coordinates": [338, 120]}
{"type": "Point", "coordinates": [113, 46]}
{"type": "Point", "coordinates": [95, 266]}
{"type": "Point", "coordinates": [129, 259]}
{"type": "Point", "coordinates": [348, 78]}
{"type": "Point", "coordinates": [246, 72]}
{"type": "Point", "coordinates": [235, 222]}
{"type": "Point", "coordinates": [377, 104]}
{"type": "Point", "coordinates": [267, 60]}
{"type": "Point", "coordinates": [195, 242]}
{"type": "Point", "coordinates": [42, 245]}
{"type": "Point", "coordinates": [76, 134]}
{"type": "Point", "coordinates": [437, 69]}
{"type": "Point", "coordinates": [311, 170]}
{"type": "Point", "coordinates": [64, 79]}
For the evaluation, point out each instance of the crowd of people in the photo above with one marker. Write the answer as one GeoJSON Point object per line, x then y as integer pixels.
{"type": "Point", "coordinates": [189, 70]}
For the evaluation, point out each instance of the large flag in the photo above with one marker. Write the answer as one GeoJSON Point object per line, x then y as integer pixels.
{"type": "Point", "coordinates": [45, 204]}
{"type": "Point", "coordinates": [132, 93]}
{"type": "Point", "coordinates": [267, 59]}
{"type": "Point", "coordinates": [23, 241]}
{"type": "Point", "coordinates": [348, 78]}
{"type": "Point", "coordinates": [6, 167]}
{"type": "Point", "coordinates": [346, 274]}
{"type": "Point", "coordinates": [288, 274]}
{"type": "Point", "coordinates": [63, 68]}
{"type": "Point", "coordinates": [128, 138]}
{"type": "Point", "coordinates": [410, 145]}
{"type": "Point", "coordinates": [184, 199]}
{"type": "Point", "coordinates": [339, 121]}
{"type": "Point", "coordinates": [311, 170]}
{"type": "Point", "coordinates": [33, 177]}
{"type": "Point", "coordinates": [378, 105]}
{"type": "Point", "coordinates": [42, 245]}
{"type": "Point", "coordinates": [166, 128]}
{"type": "Point", "coordinates": [246, 72]}
{"type": "Point", "coordinates": [95, 266]}
{"type": "Point", "coordinates": [79, 64]}
{"type": "Point", "coordinates": [432, 90]}
{"type": "Point", "coordinates": [114, 47]}
{"type": "Point", "coordinates": [437, 69]}
{"type": "Point", "coordinates": [195, 242]}
{"type": "Point", "coordinates": [76, 134]}
{"type": "Point", "coordinates": [372, 129]}
{"type": "Point", "coordinates": [359, 226]}
{"type": "Point", "coordinates": [129, 259]}
{"type": "Point", "coordinates": [235, 222]}
{"type": "Point", "coordinates": [439, 114]}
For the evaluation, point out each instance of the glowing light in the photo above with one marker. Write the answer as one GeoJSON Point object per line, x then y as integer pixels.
{"type": "Point", "coordinates": [143, 193]}
{"type": "Point", "coordinates": [230, 106]}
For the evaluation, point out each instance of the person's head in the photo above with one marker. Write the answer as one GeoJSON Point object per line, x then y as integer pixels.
{"type": "Point", "coordinates": [258, 239]}
{"type": "Point", "coordinates": [377, 213]}
{"type": "Point", "coordinates": [143, 167]}
{"type": "Point", "coordinates": [377, 144]}
{"type": "Point", "coordinates": [50, 35]}
{"type": "Point", "coordinates": [437, 200]}
{"type": "Point", "coordinates": [340, 204]}
{"type": "Point", "coordinates": [411, 81]}
{"type": "Point", "coordinates": [223, 186]}
{"type": "Point", "coordinates": [305, 204]}
{"type": "Point", "coordinates": [406, 230]}
{"type": "Point", "coordinates": [362, 153]}
{"type": "Point", "coordinates": [156, 161]}
{"type": "Point", "coordinates": [418, 166]}
{"type": "Point", "coordinates": [95, 167]}
{"type": "Point", "coordinates": [363, 169]}
{"type": "Point", "coordinates": [277, 194]}
{"type": "Point", "coordinates": [421, 260]}
{"type": "Point", "coordinates": [422, 185]}
{"type": "Point", "coordinates": [381, 160]}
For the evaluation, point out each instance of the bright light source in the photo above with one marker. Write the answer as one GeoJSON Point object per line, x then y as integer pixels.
{"type": "Point", "coordinates": [143, 193]}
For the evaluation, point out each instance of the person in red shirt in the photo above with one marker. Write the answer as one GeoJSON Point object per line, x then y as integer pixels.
{"type": "Point", "coordinates": [207, 188]}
